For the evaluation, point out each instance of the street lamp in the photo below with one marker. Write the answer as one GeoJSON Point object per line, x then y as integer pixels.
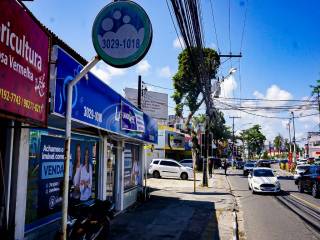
{"type": "Point", "coordinates": [216, 86]}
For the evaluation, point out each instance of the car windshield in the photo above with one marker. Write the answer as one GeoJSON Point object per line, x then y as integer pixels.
{"type": "Point", "coordinates": [263, 173]}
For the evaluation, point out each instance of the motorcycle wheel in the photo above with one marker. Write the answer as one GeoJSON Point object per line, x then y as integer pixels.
{"type": "Point", "coordinates": [106, 231]}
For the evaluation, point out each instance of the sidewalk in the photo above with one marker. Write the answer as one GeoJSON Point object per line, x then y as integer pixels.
{"type": "Point", "coordinates": [175, 212]}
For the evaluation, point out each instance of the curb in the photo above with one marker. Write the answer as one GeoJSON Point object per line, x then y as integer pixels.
{"type": "Point", "coordinates": [234, 213]}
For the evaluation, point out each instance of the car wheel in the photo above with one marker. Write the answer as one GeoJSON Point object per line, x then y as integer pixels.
{"type": "Point", "coordinates": [156, 174]}
{"type": "Point", "coordinates": [315, 191]}
{"type": "Point", "coordinates": [300, 187]}
{"type": "Point", "coordinates": [253, 191]}
{"type": "Point", "coordinates": [184, 176]}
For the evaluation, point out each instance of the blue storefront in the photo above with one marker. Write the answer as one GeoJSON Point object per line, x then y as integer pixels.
{"type": "Point", "coordinates": [108, 135]}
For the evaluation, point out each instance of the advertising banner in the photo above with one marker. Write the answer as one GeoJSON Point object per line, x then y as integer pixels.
{"type": "Point", "coordinates": [51, 167]}
{"type": "Point", "coordinates": [132, 175]}
{"type": "Point", "coordinates": [131, 118]}
{"type": "Point", "coordinates": [174, 141]}
{"type": "Point", "coordinates": [46, 169]}
{"type": "Point", "coordinates": [95, 103]}
{"type": "Point", "coordinates": [24, 62]}
{"type": "Point", "coordinates": [155, 104]}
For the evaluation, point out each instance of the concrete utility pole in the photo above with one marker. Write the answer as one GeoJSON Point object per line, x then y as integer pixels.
{"type": "Point", "coordinates": [294, 140]}
{"type": "Point", "coordinates": [233, 138]}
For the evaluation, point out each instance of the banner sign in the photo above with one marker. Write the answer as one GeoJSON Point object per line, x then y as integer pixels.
{"type": "Point", "coordinates": [24, 64]}
{"type": "Point", "coordinates": [51, 168]}
{"type": "Point", "coordinates": [131, 118]}
{"type": "Point", "coordinates": [95, 103]}
{"type": "Point", "coordinates": [122, 33]}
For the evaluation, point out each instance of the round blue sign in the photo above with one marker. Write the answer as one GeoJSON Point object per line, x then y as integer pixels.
{"type": "Point", "coordinates": [122, 34]}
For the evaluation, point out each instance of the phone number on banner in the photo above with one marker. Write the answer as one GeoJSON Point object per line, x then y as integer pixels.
{"type": "Point", "coordinates": [20, 101]}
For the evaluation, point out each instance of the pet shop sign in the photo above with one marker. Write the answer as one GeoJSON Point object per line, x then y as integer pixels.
{"type": "Point", "coordinates": [122, 34]}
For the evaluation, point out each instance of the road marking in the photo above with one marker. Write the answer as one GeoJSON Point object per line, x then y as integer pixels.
{"type": "Point", "coordinates": [306, 202]}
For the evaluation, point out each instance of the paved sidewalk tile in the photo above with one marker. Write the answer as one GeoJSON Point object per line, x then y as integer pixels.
{"type": "Point", "coordinates": [176, 212]}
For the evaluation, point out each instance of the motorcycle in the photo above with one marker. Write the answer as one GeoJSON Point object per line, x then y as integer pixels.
{"type": "Point", "coordinates": [88, 220]}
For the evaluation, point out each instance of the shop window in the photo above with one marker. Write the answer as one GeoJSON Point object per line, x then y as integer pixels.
{"type": "Point", "coordinates": [46, 169]}
{"type": "Point", "coordinates": [132, 173]}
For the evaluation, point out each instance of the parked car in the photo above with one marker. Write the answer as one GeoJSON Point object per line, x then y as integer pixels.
{"type": "Point", "coordinates": [169, 168]}
{"type": "Point", "coordinates": [310, 181]}
{"type": "Point", "coordinates": [299, 170]}
{"type": "Point", "coordinates": [263, 180]}
{"type": "Point", "coordinates": [302, 161]}
{"type": "Point", "coordinates": [264, 163]}
{"type": "Point", "coordinates": [248, 168]}
{"type": "Point", "coordinates": [239, 164]}
{"type": "Point", "coordinates": [187, 162]}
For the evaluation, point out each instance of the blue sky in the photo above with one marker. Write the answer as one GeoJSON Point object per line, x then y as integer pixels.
{"type": "Point", "coordinates": [280, 49]}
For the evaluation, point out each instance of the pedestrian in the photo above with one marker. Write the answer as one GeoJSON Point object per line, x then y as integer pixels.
{"type": "Point", "coordinates": [210, 165]}
{"type": "Point", "coordinates": [225, 166]}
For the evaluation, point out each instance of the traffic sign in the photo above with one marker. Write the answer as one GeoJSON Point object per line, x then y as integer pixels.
{"type": "Point", "coordinates": [122, 34]}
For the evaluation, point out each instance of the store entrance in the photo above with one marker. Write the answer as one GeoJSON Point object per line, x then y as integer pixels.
{"type": "Point", "coordinates": [112, 155]}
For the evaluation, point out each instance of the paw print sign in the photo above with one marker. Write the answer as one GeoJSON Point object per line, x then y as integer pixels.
{"type": "Point", "coordinates": [122, 34]}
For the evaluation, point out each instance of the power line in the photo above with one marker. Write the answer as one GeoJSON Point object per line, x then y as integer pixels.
{"type": "Point", "coordinates": [229, 27]}
{"type": "Point", "coordinates": [174, 25]}
{"type": "Point", "coordinates": [244, 25]}
{"type": "Point", "coordinates": [214, 25]}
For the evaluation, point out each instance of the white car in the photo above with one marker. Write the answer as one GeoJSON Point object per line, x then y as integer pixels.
{"type": "Point", "coordinates": [169, 168]}
{"type": "Point", "coordinates": [187, 163]}
{"type": "Point", "coordinates": [302, 161]}
{"type": "Point", "coordinates": [300, 169]}
{"type": "Point", "coordinates": [263, 180]}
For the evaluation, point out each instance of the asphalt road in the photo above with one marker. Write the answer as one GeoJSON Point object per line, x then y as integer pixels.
{"type": "Point", "coordinates": [265, 218]}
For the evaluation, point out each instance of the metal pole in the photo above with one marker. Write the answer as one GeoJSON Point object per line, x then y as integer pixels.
{"type": "Point", "coordinates": [81, 74]}
{"type": "Point", "coordinates": [294, 140]}
{"type": "Point", "coordinates": [318, 89]}
{"type": "Point", "coordinates": [139, 92]}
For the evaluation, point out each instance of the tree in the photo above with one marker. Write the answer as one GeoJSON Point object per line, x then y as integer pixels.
{"type": "Point", "coordinates": [254, 139]}
{"type": "Point", "coordinates": [278, 141]}
{"type": "Point", "coordinates": [195, 70]}
{"type": "Point", "coordinates": [186, 82]}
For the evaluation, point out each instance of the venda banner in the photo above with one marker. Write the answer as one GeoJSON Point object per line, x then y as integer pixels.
{"type": "Point", "coordinates": [95, 103]}
{"type": "Point", "coordinates": [24, 64]}
{"type": "Point", "coordinates": [51, 166]}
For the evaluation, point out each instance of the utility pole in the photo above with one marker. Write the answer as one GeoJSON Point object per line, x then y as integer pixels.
{"type": "Point", "coordinates": [294, 140]}
{"type": "Point", "coordinates": [139, 91]}
{"type": "Point", "coordinates": [233, 138]}
{"type": "Point", "coordinates": [289, 135]}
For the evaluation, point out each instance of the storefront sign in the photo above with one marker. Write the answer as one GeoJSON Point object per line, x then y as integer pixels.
{"type": "Point", "coordinates": [95, 103]}
{"type": "Point", "coordinates": [174, 141]}
{"type": "Point", "coordinates": [122, 33]}
{"type": "Point", "coordinates": [24, 61]}
{"type": "Point", "coordinates": [131, 118]}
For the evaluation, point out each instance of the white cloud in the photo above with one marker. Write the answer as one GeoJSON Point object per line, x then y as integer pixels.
{"type": "Point", "coordinates": [143, 67]}
{"type": "Point", "coordinates": [165, 72]}
{"type": "Point", "coordinates": [106, 72]}
{"type": "Point", "coordinates": [178, 42]}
